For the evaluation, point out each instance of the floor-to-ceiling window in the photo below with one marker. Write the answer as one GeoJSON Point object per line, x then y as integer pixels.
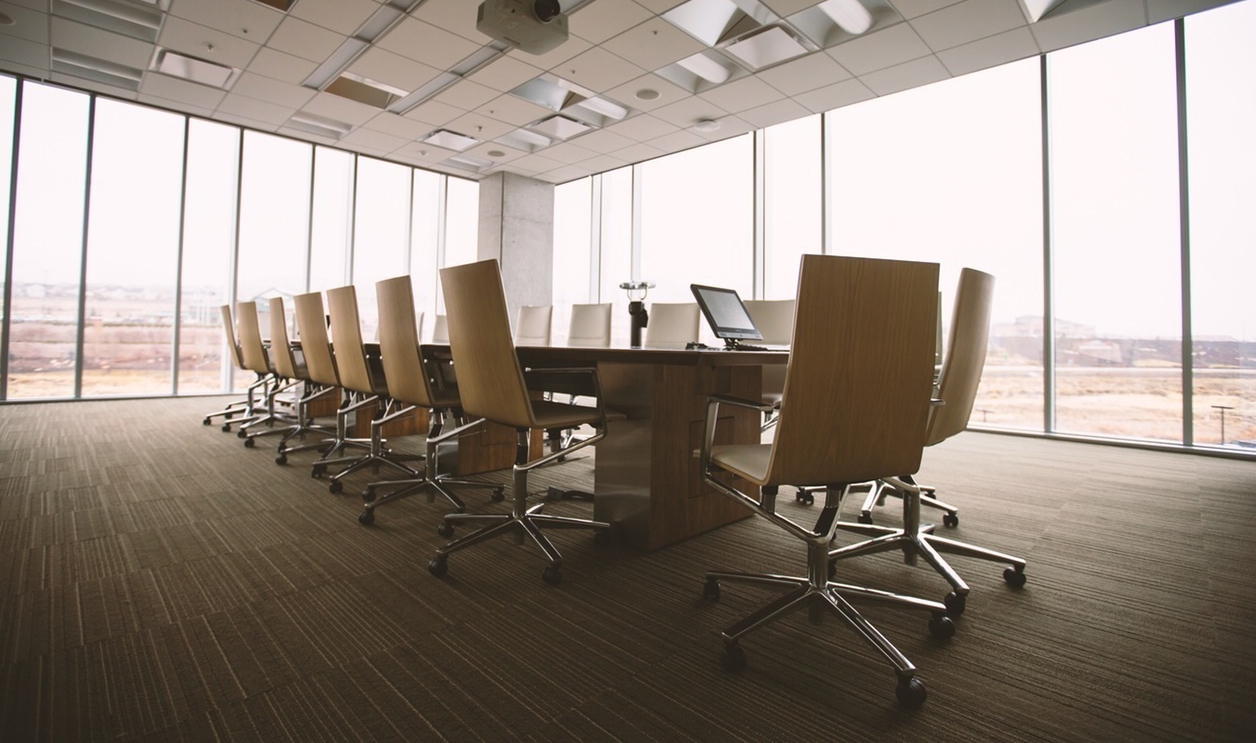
{"type": "Point", "coordinates": [132, 250]}
{"type": "Point", "coordinates": [381, 226]}
{"type": "Point", "coordinates": [8, 111]}
{"type": "Point", "coordinates": [572, 254]}
{"type": "Point", "coordinates": [942, 173]}
{"type": "Point", "coordinates": [331, 222]}
{"type": "Point", "coordinates": [1115, 236]}
{"type": "Point", "coordinates": [426, 228]}
{"type": "Point", "coordinates": [793, 169]}
{"type": "Point", "coordinates": [48, 242]}
{"type": "Point", "coordinates": [1221, 111]}
{"type": "Point", "coordinates": [615, 239]}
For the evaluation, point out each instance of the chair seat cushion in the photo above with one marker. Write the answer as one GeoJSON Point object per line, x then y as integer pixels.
{"type": "Point", "coordinates": [561, 415]}
{"type": "Point", "coordinates": [745, 460]}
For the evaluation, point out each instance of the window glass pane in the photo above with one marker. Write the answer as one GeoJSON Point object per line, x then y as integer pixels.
{"type": "Point", "coordinates": [791, 203]}
{"type": "Point", "coordinates": [132, 250]}
{"type": "Point", "coordinates": [48, 242]}
{"type": "Point", "coordinates": [572, 217]}
{"type": "Point", "coordinates": [332, 219]}
{"type": "Point", "coordinates": [8, 105]}
{"type": "Point", "coordinates": [425, 226]}
{"type": "Point", "coordinates": [381, 233]}
{"type": "Point", "coordinates": [274, 222]}
{"type": "Point", "coordinates": [1221, 100]}
{"type": "Point", "coordinates": [462, 224]}
{"type": "Point", "coordinates": [616, 258]}
{"type": "Point", "coordinates": [1114, 198]}
{"type": "Point", "coordinates": [209, 218]}
{"type": "Point", "coordinates": [952, 173]}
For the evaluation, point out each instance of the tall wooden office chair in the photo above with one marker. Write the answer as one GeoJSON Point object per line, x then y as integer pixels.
{"type": "Point", "coordinates": [494, 387]}
{"type": "Point", "coordinates": [237, 411]}
{"type": "Point", "coordinates": [672, 324]}
{"type": "Point", "coordinates": [857, 399]}
{"type": "Point", "coordinates": [590, 325]}
{"type": "Point", "coordinates": [412, 384]}
{"type": "Point", "coordinates": [534, 325]}
{"type": "Point", "coordinates": [257, 360]}
{"type": "Point", "coordinates": [957, 388]}
{"type": "Point", "coordinates": [289, 366]}
{"type": "Point", "coordinates": [365, 387]}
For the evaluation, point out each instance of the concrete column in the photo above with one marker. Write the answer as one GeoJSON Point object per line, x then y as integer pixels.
{"type": "Point", "coordinates": [517, 228]}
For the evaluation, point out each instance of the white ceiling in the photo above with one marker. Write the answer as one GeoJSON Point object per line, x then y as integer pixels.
{"type": "Point", "coordinates": [615, 48]}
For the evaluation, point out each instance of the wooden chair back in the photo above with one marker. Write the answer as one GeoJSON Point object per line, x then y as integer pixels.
{"type": "Point", "coordinates": [346, 340]}
{"type": "Point", "coordinates": [228, 327]}
{"type": "Point", "coordinates": [774, 318]}
{"type": "Point", "coordinates": [312, 325]}
{"type": "Point", "coordinates": [251, 347]}
{"type": "Point", "coordinates": [860, 375]}
{"type": "Point", "coordinates": [490, 380]}
{"type": "Point", "coordinates": [280, 347]}
{"type": "Point", "coordinates": [590, 325]}
{"type": "Point", "coordinates": [965, 356]}
{"type": "Point", "coordinates": [399, 342]}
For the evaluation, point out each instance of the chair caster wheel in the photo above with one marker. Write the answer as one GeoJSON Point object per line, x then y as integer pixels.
{"type": "Point", "coordinates": [445, 529]}
{"type": "Point", "coordinates": [437, 567]}
{"type": "Point", "coordinates": [335, 486]}
{"type": "Point", "coordinates": [242, 434]}
{"type": "Point", "coordinates": [317, 471]}
{"type": "Point", "coordinates": [711, 590]}
{"type": "Point", "coordinates": [552, 575]}
{"type": "Point", "coordinates": [955, 604]}
{"type": "Point", "coordinates": [368, 494]}
{"type": "Point", "coordinates": [281, 458]}
{"type": "Point", "coordinates": [865, 518]}
{"type": "Point", "coordinates": [498, 495]}
{"type": "Point", "coordinates": [249, 443]}
{"type": "Point", "coordinates": [805, 497]}
{"type": "Point", "coordinates": [1014, 577]}
{"type": "Point", "coordinates": [734, 658]}
{"type": "Point", "coordinates": [205, 422]}
{"type": "Point", "coordinates": [367, 517]}
{"type": "Point", "coordinates": [941, 627]}
{"type": "Point", "coordinates": [911, 692]}
{"type": "Point", "coordinates": [950, 519]}
{"type": "Point", "coordinates": [226, 428]}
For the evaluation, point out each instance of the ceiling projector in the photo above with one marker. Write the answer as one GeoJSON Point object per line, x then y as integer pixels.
{"type": "Point", "coordinates": [534, 26]}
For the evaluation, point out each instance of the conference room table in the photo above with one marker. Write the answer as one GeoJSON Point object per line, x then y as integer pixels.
{"type": "Point", "coordinates": [647, 478]}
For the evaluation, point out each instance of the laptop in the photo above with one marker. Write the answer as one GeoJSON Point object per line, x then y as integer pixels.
{"type": "Point", "coordinates": [729, 320]}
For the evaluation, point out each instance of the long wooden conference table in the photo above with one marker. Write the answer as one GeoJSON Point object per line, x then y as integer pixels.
{"type": "Point", "coordinates": [647, 479]}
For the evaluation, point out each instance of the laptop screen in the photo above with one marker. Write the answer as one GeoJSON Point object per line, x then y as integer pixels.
{"type": "Point", "coordinates": [725, 313]}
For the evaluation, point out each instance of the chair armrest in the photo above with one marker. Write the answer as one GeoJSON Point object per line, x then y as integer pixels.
{"type": "Point", "coordinates": [759, 405]}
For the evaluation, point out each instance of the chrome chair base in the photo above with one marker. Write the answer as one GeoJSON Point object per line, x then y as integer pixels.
{"type": "Point", "coordinates": [917, 540]}
{"type": "Point", "coordinates": [928, 497]}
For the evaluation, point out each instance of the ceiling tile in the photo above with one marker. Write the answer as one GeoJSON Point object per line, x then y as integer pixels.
{"type": "Point", "coordinates": [513, 110]}
{"type": "Point", "coordinates": [342, 16]}
{"type": "Point", "coordinates": [496, 151]}
{"type": "Point", "coordinates": [466, 95]}
{"type": "Point", "coordinates": [332, 106]}
{"type": "Point", "coordinates": [479, 126]}
{"type": "Point", "coordinates": [990, 52]}
{"type": "Point", "coordinates": [196, 40]}
{"type": "Point", "coordinates": [434, 113]}
{"type": "Point", "coordinates": [505, 73]}
{"type": "Point", "coordinates": [667, 93]}
{"type": "Point", "coordinates": [913, 8]}
{"type": "Point", "coordinates": [426, 43]}
{"type": "Point", "coordinates": [536, 163]}
{"type": "Point", "coordinates": [642, 128]}
{"type": "Point", "coordinates": [730, 126]}
{"type": "Point", "coordinates": [880, 49]}
{"type": "Point", "coordinates": [388, 68]}
{"type": "Point", "coordinates": [968, 21]}
{"type": "Point", "coordinates": [653, 44]}
{"type": "Point", "coordinates": [94, 86]}
{"type": "Point", "coordinates": [564, 174]}
{"type": "Point", "coordinates": [739, 95]}
{"type": "Point", "coordinates": [94, 42]}
{"type": "Point", "coordinates": [603, 163]}
{"type": "Point", "coordinates": [599, 21]}
{"type": "Point", "coordinates": [184, 106]}
{"type": "Point", "coordinates": [907, 75]}
{"type": "Point", "coordinates": [28, 24]}
{"type": "Point", "coordinates": [248, 20]}
{"type": "Point", "coordinates": [678, 140]}
{"type": "Point", "coordinates": [304, 39]}
{"type": "Point", "coordinates": [372, 139]}
{"type": "Point", "coordinates": [255, 110]}
{"type": "Point", "coordinates": [659, 6]}
{"type": "Point", "coordinates": [455, 16]}
{"type": "Point", "coordinates": [1164, 10]}
{"type": "Point", "coordinates": [271, 90]}
{"type": "Point", "coordinates": [807, 73]}
{"type": "Point", "coordinates": [568, 152]}
{"type": "Point", "coordinates": [398, 126]}
{"type": "Point", "coordinates": [604, 141]}
{"type": "Point", "coordinates": [774, 113]}
{"type": "Point", "coordinates": [598, 70]}
{"type": "Point", "coordinates": [834, 96]}
{"type": "Point", "coordinates": [785, 8]}
{"type": "Point", "coordinates": [639, 152]}
{"type": "Point", "coordinates": [554, 57]}
{"type": "Point", "coordinates": [1094, 22]}
{"type": "Point", "coordinates": [282, 66]}
{"type": "Point", "coordinates": [25, 57]}
{"type": "Point", "coordinates": [684, 113]}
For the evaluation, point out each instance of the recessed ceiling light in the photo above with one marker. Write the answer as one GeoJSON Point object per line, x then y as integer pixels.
{"type": "Point", "coordinates": [647, 94]}
{"type": "Point", "coordinates": [706, 125]}
{"type": "Point", "coordinates": [495, 153]}
{"type": "Point", "coordinates": [450, 140]}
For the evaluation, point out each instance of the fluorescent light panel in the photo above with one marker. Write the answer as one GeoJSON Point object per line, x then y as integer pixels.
{"type": "Point", "coordinates": [850, 15]}
{"type": "Point", "coordinates": [98, 70]}
{"type": "Point", "coordinates": [450, 140]}
{"type": "Point", "coordinates": [380, 22]}
{"type": "Point", "coordinates": [560, 127]}
{"type": "Point", "coordinates": [322, 126]}
{"type": "Point", "coordinates": [200, 71]}
{"type": "Point", "coordinates": [128, 19]}
{"type": "Point", "coordinates": [771, 46]}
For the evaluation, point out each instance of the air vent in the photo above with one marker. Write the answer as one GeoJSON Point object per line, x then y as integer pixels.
{"type": "Point", "coordinates": [364, 90]}
{"type": "Point", "coordinates": [193, 69]}
{"type": "Point", "coordinates": [98, 70]}
{"type": "Point", "coordinates": [324, 127]}
{"type": "Point", "coordinates": [138, 20]}
{"type": "Point", "coordinates": [450, 140]}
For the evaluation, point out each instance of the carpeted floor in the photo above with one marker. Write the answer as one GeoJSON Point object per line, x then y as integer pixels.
{"type": "Point", "coordinates": [158, 581]}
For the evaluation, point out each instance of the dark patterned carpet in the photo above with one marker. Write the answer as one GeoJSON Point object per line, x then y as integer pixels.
{"type": "Point", "coordinates": [158, 581]}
